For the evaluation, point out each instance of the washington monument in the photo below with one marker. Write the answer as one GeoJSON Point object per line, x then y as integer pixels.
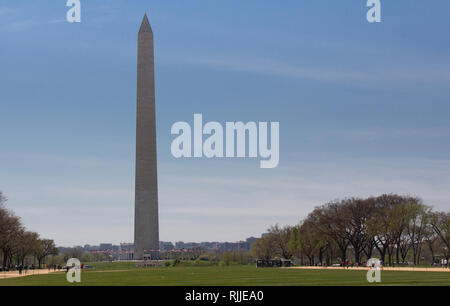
{"type": "Point", "coordinates": [146, 229]}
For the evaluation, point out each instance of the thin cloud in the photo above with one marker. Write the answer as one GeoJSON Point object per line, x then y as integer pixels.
{"type": "Point", "coordinates": [270, 67]}
{"type": "Point", "coordinates": [276, 68]}
{"type": "Point", "coordinates": [383, 133]}
{"type": "Point", "coordinates": [4, 11]}
{"type": "Point", "coordinates": [26, 24]}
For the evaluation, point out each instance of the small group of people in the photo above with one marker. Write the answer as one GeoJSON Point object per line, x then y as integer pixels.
{"type": "Point", "coordinates": [348, 263]}
{"type": "Point", "coordinates": [54, 267]}
{"type": "Point", "coordinates": [445, 263]}
{"type": "Point", "coordinates": [21, 268]}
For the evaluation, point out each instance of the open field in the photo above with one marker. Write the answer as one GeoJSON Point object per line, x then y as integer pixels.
{"type": "Point", "coordinates": [404, 269]}
{"type": "Point", "coordinates": [127, 274]}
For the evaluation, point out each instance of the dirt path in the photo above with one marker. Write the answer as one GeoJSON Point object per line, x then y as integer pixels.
{"type": "Point", "coordinates": [421, 269]}
{"type": "Point", "coordinates": [28, 273]}
{"type": "Point", "coordinates": [4, 275]}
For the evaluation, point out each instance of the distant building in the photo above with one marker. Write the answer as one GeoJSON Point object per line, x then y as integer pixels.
{"type": "Point", "coordinates": [105, 246]}
{"type": "Point", "coordinates": [166, 246]}
{"type": "Point", "coordinates": [125, 251]}
{"type": "Point", "coordinates": [250, 241]}
{"type": "Point", "coordinates": [179, 245]}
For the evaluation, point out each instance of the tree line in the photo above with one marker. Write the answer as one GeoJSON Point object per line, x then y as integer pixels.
{"type": "Point", "coordinates": [396, 229]}
{"type": "Point", "coordinates": [18, 245]}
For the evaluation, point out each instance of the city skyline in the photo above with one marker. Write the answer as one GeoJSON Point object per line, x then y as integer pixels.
{"type": "Point", "coordinates": [363, 110]}
{"type": "Point", "coordinates": [177, 244]}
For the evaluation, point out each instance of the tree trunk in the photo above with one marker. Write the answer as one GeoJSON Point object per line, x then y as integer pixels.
{"type": "Point", "coordinates": [404, 257]}
{"type": "Point", "coordinates": [5, 259]}
{"type": "Point", "coordinates": [430, 246]}
{"type": "Point", "coordinates": [10, 259]}
{"type": "Point", "coordinates": [369, 252]}
{"type": "Point", "coordinates": [343, 255]}
{"type": "Point", "coordinates": [397, 254]}
{"type": "Point", "coordinates": [357, 256]}
{"type": "Point", "coordinates": [419, 252]}
{"type": "Point", "coordinates": [382, 251]}
{"type": "Point", "coordinates": [390, 258]}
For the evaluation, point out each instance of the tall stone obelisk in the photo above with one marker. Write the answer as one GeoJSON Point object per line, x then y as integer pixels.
{"type": "Point", "coordinates": [146, 228]}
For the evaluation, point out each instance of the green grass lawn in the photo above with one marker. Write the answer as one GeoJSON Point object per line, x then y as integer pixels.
{"type": "Point", "coordinates": [114, 274]}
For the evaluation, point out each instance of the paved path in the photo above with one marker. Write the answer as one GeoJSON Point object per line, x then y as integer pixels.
{"type": "Point", "coordinates": [418, 269]}
{"type": "Point", "coordinates": [28, 273]}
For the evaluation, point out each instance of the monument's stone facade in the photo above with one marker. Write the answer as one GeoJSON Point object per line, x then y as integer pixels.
{"type": "Point", "coordinates": [146, 228]}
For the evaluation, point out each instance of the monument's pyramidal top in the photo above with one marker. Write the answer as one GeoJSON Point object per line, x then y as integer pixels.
{"type": "Point", "coordinates": [145, 25]}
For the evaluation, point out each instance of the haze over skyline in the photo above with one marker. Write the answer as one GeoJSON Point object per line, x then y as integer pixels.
{"type": "Point", "coordinates": [363, 110]}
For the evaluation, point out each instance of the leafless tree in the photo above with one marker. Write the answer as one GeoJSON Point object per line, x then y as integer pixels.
{"type": "Point", "coordinates": [417, 228]}
{"type": "Point", "coordinates": [357, 212]}
{"type": "Point", "coordinates": [45, 248]}
{"type": "Point", "coordinates": [264, 248]}
{"type": "Point", "coordinates": [387, 224]}
{"type": "Point", "coordinates": [332, 221]}
{"type": "Point", "coordinates": [281, 236]}
{"type": "Point", "coordinates": [309, 240]}
{"type": "Point", "coordinates": [10, 230]}
{"type": "Point", "coordinates": [440, 221]}
{"type": "Point", "coordinates": [25, 245]}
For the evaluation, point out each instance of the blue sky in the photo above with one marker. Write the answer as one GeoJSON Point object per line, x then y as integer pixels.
{"type": "Point", "coordinates": [363, 110]}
